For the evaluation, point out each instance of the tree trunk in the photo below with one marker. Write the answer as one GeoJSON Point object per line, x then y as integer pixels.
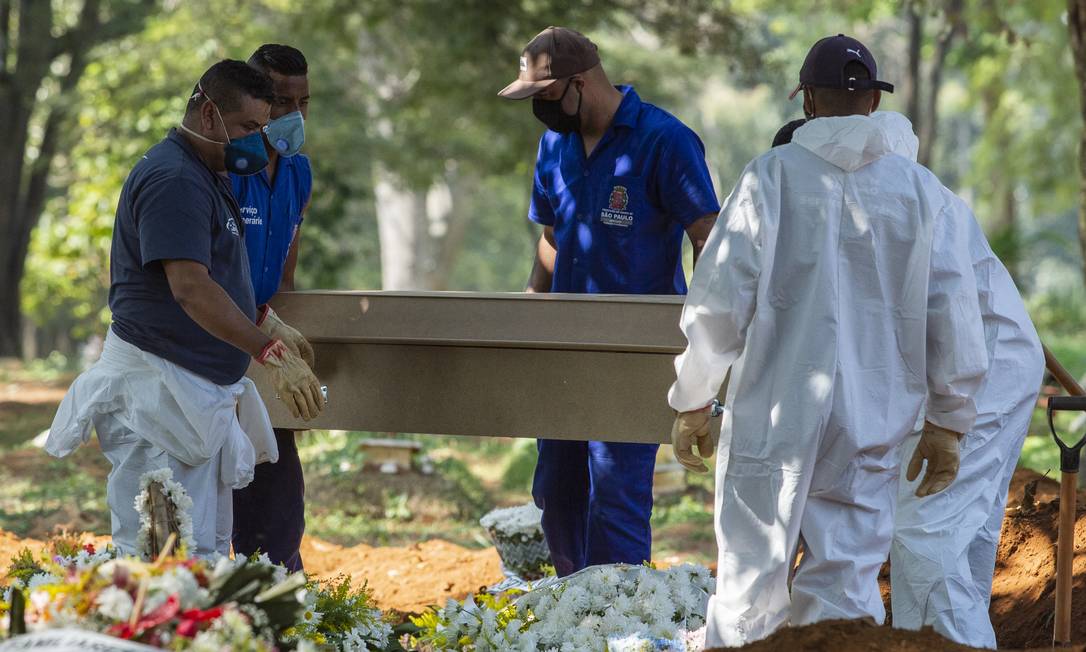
{"type": "Point", "coordinates": [23, 180]}
{"type": "Point", "coordinates": [1076, 25]}
{"type": "Point", "coordinates": [929, 124]}
{"type": "Point", "coordinates": [915, 19]}
{"type": "Point", "coordinates": [421, 232]}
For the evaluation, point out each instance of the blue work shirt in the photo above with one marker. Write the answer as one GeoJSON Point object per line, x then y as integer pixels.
{"type": "Point", "coordinates": [272, 216]}
{"type": "Point", "coordinates": [174, 207]}
{"type": "Point", "coordinates": [619, 215]}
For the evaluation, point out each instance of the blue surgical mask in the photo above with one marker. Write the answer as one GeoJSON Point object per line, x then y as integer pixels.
{"type": "Point", "coordinates": [286, 133]}
{"type": "Point", "coordinates": [243, 156]}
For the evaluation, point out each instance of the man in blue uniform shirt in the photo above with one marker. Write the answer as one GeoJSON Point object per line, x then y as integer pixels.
{"type": "Point", "coordinates": [269, 514]}
{"type": "Point", "coordinates": [617, 183]}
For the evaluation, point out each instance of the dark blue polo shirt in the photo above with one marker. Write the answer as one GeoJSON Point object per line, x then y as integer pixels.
{"type": "Point", "coordinates": [272, 216]}
{"type": "Point", "coordinates": [173, 207]}
{"type": "Point", "coordinates": [619, 215]}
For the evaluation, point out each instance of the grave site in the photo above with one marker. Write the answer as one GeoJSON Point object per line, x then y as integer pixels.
{"type": "Point", "coordinates": [434, 559]}
{"type": "Point", "coordinates": [542, 325]}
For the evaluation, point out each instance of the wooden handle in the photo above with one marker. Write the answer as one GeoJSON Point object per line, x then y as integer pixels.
{"type": "Point", "coordinates": [1065, 553]}
{"type": "Point", "coordinates": [1063, 377]}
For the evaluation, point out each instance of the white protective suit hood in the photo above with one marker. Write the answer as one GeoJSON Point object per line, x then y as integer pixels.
{"type": "Point", "coordinates": [851, 142]}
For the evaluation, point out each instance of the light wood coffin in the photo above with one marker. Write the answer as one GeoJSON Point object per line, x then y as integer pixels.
{"type": "Point", "coordinates": [521, 365]}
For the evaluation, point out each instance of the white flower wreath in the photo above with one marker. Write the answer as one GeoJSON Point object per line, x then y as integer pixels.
{"type": "Point", "coordinates": [182, 504]}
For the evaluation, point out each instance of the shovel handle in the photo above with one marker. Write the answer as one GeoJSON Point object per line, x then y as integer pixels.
{"type": "Point", "coordinates": [1069, 453]}
{"type": "Point", "coordinates": [1062, 376]}
{"type": "Point", "coordinates": [1065, 555]}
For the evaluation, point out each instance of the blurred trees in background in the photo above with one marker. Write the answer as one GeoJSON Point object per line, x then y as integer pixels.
{"type": "Point", "coordinates": [422, 174]}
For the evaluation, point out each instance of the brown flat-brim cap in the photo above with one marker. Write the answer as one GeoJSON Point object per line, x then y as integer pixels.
{"type": "Point", "coordinates": [555, 53]}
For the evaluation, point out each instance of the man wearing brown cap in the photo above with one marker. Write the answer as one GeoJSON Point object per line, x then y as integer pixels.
{"type": "Point", "coordinates": [617, 182]}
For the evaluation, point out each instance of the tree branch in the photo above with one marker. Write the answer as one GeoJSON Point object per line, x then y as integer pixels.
{"type": "Point", "coordinates": [91, 29]}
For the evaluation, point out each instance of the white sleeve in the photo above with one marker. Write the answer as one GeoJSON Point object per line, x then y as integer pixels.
{"type": "Point", "coordinates": [957, 356]}
{"type": "Point", "coordinates": [721, 300]}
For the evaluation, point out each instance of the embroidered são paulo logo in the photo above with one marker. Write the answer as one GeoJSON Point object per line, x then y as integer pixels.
{"type": "Point", "coordinates": [232, 226]}
{"type": "Point", "coordinates": [524, 63]}
{"type": "Point", "coordinates": [616, 214]}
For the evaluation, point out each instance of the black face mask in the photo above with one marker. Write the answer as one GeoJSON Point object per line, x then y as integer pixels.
{"type": "Point", "coordinates": [551, 114]}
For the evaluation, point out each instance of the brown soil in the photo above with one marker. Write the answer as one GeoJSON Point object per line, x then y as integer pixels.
{"type": "Point", "coordinates": [407, 579]}
{"type": "Point", "coordinates": [857, 636]}
{"type": "Point", "coordinates": [851, 636]}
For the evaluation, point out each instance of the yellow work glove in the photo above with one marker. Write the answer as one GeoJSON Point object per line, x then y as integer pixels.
{"type": "Point", "coordinates": [690, 428]}
{"type": "Point", "coordinates": [293, 380]}
{"type": "Point", "coordinates": [939, 447]}
{"type": "Point", "coordinates": [271, 325]}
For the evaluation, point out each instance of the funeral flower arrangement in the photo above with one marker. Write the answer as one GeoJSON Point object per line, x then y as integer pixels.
{"type": "Point", "coordinates": [179, 603]}
{"type": "Point", "coordinates": [606, 608]}
{"type": "Point", "coordinates": [518, 537]}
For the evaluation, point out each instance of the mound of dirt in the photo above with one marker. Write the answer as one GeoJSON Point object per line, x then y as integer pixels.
{"type": "Point", "coordinates": [852, 636]}
{"type": "Point", "coordinates": [1023, 597]}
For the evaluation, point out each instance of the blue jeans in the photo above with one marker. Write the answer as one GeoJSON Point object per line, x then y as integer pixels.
{"type": "Point", "coordinates": [269, 514]}
{"type": "Point", "coordinates": [596, 499]}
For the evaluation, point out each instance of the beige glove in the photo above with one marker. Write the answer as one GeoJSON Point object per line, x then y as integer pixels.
{"type": "Point", "coordinates": [293, 380]}
{"type": "Point", "coordinates": [271, 325]}
{"type": "Point", "coordinates": [691, 427]}
{"type": "Point", "coordinates": [939, 447]}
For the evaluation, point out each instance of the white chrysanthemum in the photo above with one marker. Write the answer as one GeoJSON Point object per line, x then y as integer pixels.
{"type": "Point", "coordinates": [115, 604]}
{"type": "Point", "coordinates": [41, 579]}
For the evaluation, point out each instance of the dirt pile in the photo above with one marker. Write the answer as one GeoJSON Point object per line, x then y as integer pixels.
{"type": "Point", "coordinates": [1023, 589]}
{"type": "Point", "coordinates": [858, 636]}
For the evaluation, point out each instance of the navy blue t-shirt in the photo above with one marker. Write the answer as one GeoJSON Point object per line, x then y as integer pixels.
{"type": "Point", "coordinates": [272, 216]}
{"type": "Point", "coordinates": [619, 215]}
{"type": "Point", "coordinates": [173, 207]}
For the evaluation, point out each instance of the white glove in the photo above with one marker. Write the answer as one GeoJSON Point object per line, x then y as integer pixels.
{"type": "Point", "coordinates": [293, 380]}
{"type": "Point", "coordinates": [939, 447]}
{"type": "Point", "coordinates": [271, 325]}
{"type": "Point", "coordinates": [690, 428]}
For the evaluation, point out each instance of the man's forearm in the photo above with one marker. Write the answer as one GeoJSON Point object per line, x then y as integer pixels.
{"type": "Point", "coordinates": [212, 308]}
{"type": "Point", "coordinates": [546, 251]}
{"type": "Point", "coordinates": [698, 232]}
{"type": "Point", "coordinates": [540, 279]}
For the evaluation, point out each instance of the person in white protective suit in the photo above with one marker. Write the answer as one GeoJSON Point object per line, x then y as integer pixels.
{"type": "Point", "coordinates": [169, 391]}
{"type": "Point", "coordinates": [838, 284]}
{"type": "Point", "coordinates": [944, 550]}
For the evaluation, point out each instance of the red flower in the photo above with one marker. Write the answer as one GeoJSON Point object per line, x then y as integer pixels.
{"type": "Point", "coordinates": [150, 620]}
{"type": "Point", "coordinates": [89, 548]}
{"type": "Point", "coordinates": [193, 618]}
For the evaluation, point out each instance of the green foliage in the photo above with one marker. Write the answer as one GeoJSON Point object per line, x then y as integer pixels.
{"type": "Point", "coordinates": [431, 626]}
{"type": "Point", "coordinates": [520, 466]}
{"type": "Point", "coordinates": [337, 609]}
{"type": "Point", "coordinates": [408, 87]}
{"type": "Point", "coordinates": [23, 566]}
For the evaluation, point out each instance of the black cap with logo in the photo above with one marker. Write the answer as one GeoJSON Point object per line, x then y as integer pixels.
{"type": "Point", "coordinates": [825, 64]}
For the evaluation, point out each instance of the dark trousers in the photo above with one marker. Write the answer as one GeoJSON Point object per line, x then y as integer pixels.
{"type": "Point", "coordinates": [269, 514]}
{"type": "Point", "coordinates": [596, 499]}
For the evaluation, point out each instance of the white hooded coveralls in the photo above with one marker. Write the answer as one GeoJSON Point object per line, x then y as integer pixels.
{"type": "Point", "coordinates": [151, 414]}
{"type": "Point", "coordinates": [944, 551]}
{"type": "Point", "coordinates": [838, 282]}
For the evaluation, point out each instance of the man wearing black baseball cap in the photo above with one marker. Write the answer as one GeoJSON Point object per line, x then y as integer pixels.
{"type": "Point", "coordinates": [838, 288]}
{"type": "Point", "coordinates": [617, 183]}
